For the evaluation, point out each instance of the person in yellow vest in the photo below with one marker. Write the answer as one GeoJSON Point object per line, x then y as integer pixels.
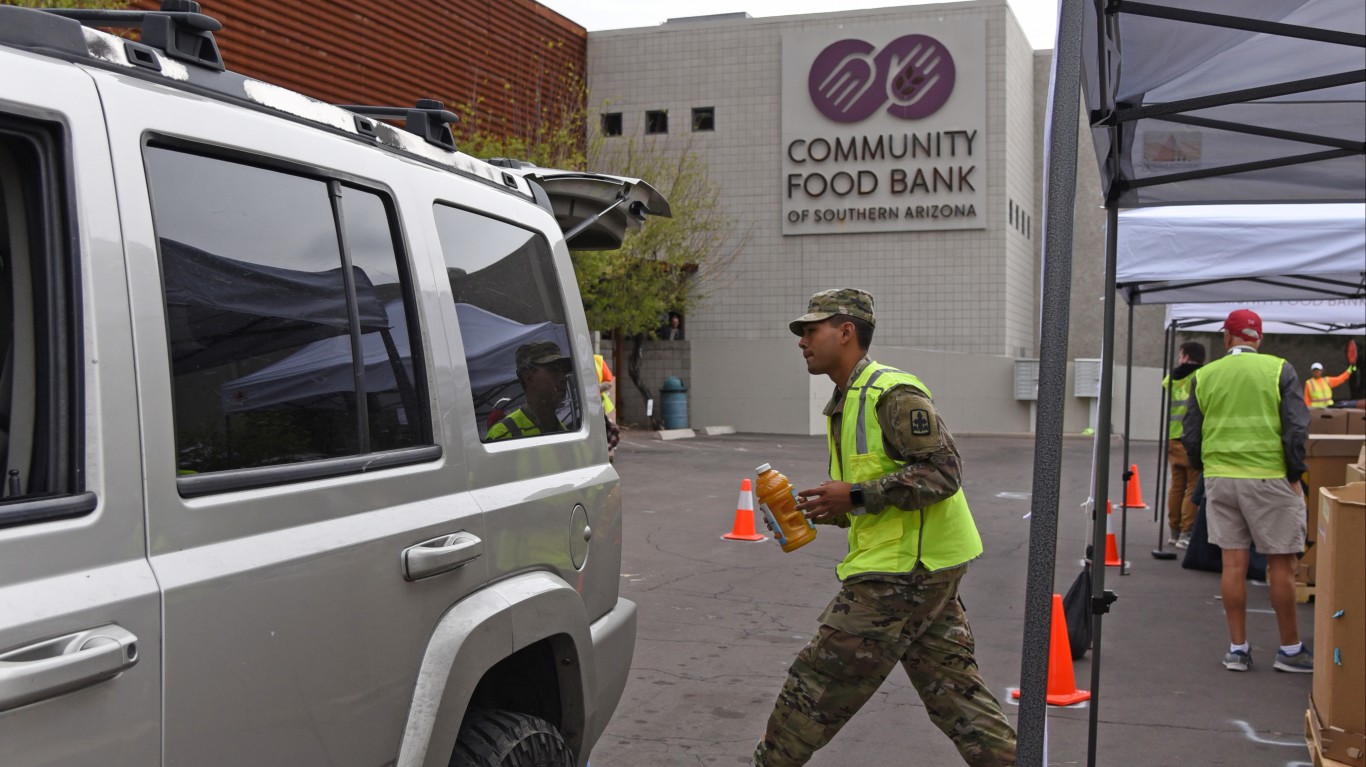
{"type": "Point", "coordinates": [544, 373]}
{"type": "Point", "coordinates": [896, 485]}
{"type": "Point", "coordinates": [1245, 428]}
{"type": "Point", "coordinates": [1318, 390]}
{"type": "Point", "coordinates": [605, 384]}
{"type": "Point", "coordinates": [1181, 509]}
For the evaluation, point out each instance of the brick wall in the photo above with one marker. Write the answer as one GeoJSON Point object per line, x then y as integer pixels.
{"type": "Point", "coordinates": [505, 59]}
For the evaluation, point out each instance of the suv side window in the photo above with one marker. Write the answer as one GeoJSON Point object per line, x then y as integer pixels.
{"type": "Point", "coordinates": [40, 414]}
{"type": "Point", "coordinates": [288, 309]}
{"type": "Point", "coordinates": [512, 323]}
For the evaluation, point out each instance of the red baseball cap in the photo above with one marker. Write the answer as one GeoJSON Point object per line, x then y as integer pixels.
{"type": "Point", "coordinates": [1244, 324]}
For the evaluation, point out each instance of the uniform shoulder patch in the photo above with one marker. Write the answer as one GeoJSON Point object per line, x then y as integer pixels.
{"type": "Point", "coordinates": [921, 425]}
{"type": "Point", "coordinates": [910, 422]}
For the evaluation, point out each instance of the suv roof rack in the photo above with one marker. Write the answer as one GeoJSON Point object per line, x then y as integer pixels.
{"type": "Point", "coordinates": [428, 119]}
{"type": "Point", "coordinates": [179, 30]}
{"type": "Point", "coordinates": [184, 33]}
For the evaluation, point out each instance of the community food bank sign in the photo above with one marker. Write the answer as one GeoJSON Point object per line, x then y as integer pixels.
{"type": "Point", "coordinates": [884, 128]}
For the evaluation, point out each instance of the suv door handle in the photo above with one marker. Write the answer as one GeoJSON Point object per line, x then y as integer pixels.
{"type": "Point", "coordinates": [51, 667]}
{"type": "Point", "coordinates": [441, 554]}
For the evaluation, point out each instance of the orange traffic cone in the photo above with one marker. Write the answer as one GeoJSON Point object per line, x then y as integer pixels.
{"type": "Point", "coordinates": [743, 529]}
{"type": "Point", "coordinates": [1111, 548]}
{"type": "Point", "coordinates": [1062, 683]}
{"type": "Point", "coordinates": [1133, 494]}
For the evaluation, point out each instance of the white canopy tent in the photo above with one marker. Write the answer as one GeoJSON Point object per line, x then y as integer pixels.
{"type": "Point", "coordinates": [1241, 253]}
{"type": "Point", "coordinates": [1181, 95]}
{"type": "Point", "coordinates": [1190, 103]}
{"type": "Point", "coordinates": [1337, 316]}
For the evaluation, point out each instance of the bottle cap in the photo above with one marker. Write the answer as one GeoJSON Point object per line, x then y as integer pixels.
{"type": "Point", "coordinates": [763, 469]}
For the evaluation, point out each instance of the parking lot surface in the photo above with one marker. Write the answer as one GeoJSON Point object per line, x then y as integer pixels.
{"type": "Point", "coordinates": [720, 621]}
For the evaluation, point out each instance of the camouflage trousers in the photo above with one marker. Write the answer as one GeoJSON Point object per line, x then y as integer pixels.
{"type": "Point", "coordinates": [916, 619]}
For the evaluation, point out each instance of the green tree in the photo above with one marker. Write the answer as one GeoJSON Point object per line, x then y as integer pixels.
{"type": "Point", "coordinates": [670, 264]}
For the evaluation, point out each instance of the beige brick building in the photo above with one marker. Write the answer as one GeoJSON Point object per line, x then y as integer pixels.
{"type": "Point", "coordinates": [928, 198]}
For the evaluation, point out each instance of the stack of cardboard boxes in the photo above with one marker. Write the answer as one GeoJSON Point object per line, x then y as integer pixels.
{"type": "Point", "coordinates": [1334, 570]}
{"type": "Point", "coordinates": [1336, 436]}
{"type": "Point", "coordinates": [1337, 705]}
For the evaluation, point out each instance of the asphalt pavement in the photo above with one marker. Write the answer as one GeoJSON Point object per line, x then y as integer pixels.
{"type": "Point", "coordinates": [720, 621]}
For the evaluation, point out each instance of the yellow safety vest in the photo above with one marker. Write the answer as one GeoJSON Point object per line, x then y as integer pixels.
{"type": "Point", "coordinates": [600, 365]}
{"type": "Point", "coordinates": [938, 537]}
{"type": "Point", "coordinates": [1320, 392]}
{"type": "Point", "coordinates": [1181, 393]}
{"type": "Point", "coordinates": [514, 425]}
{"type": "Point", "coordinates": [1240, 397]}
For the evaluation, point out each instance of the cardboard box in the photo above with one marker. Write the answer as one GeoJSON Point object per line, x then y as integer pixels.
{"type": "Point", "coordinates": [1340, 615]}
{"type": "Point", "coordinates": [1332, 746]}
{"type": "Point", "coordinates": [1327, 421]}
{"type": "Point", "coordinates": [1355, 420]}
{"type": "Point", "coordinates": [1306, 572]}
{"type": "Point", "coordinates": [1327, 456]}
{"type": "Point", "coordinates": [1355, 473]}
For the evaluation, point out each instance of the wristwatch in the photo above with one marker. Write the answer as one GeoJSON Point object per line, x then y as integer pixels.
{"type": "Point", "coordinates": [856, 498]}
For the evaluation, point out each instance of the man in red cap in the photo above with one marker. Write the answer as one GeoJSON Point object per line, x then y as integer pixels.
{"type": "Point", "coordinates": [1245, 428]}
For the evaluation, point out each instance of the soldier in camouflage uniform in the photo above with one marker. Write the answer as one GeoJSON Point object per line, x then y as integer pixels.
{"type": "Point", "coordinates": [543, 370]}
{"type": "Point", "coordinates": [896, 485]}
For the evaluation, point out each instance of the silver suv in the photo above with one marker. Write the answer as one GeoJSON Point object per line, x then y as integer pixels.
{"type": "Point", "coordinates": [303, 461]}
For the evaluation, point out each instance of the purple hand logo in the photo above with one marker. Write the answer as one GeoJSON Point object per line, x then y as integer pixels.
{"type": "Point", "coordinates": [848, 82]}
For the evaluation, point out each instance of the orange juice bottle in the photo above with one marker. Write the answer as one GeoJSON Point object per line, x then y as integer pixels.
{"type": "Point", "coordinates": [778, 502]}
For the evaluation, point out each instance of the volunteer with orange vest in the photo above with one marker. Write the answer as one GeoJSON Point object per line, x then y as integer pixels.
{"type": "Point", "coordinates": [1318, 391]}
{"type": "Point", "coordinates": [606, 382]}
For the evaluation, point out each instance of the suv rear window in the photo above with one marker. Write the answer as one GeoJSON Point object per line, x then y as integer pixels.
{"type": "Point", "coordinates": [40, 408]}
{"type": "Point", "coordinates": [288, 316]}
{"type": "Point", "coordinates": [512, 323]}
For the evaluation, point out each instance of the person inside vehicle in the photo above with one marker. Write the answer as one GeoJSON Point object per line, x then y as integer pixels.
{"type": "Point", "coordinates": [543, 371]}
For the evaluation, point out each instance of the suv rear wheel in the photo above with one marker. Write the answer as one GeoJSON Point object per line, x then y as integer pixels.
{"type": "Point", "coordinates": [508, 739]}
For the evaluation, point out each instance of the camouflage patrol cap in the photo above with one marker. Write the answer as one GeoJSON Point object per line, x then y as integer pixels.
{"type": "Point", "coordinates": [828, 303]}
{"type": "Point", "coordinates": [539, 353]}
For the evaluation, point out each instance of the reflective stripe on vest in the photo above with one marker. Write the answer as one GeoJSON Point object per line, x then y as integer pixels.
{"type": "Point", "coordinates": [1181, 393]}
{"type": "Point", "coordinates": [1240, 397]}
{"type": "Point", "coordinates": [1320, 392]}
{"type": "Point", "coordinates": [938, 537]}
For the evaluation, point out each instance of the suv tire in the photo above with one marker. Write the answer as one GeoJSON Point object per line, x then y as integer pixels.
{"type": "Point", "coordinates": [508, 739]}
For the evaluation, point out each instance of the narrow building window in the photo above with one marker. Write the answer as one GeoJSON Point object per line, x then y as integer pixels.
{"type": "Point", "coordinates": [703, 119]}
{"type": "Point", "coordinates": [657, 121]}
{"type": "Point", "coordinates": [611, 124]}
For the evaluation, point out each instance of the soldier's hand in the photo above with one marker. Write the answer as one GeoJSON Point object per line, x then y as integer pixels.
{"type": "Point", "coordinates": [825, 504]}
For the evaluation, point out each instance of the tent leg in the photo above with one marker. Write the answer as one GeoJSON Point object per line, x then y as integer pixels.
{"type": "Point", "coordinates": [1060, 187]}
{"type": "Point", "coordinates": [1168, 344]}
{"type": "Point", "coordinates": [1100, 600]}
{"type": "Point", "coordinates": [1128, 407]}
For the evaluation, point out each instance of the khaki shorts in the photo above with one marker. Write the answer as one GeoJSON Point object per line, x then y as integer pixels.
{"type": "Point", "coordinates": [1268, 512]}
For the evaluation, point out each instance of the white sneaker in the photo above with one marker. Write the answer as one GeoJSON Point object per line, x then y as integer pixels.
{"type": "Point", "coordinates": [1183, 542]}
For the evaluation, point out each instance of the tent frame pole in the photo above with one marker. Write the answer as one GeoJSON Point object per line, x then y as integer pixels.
{"type": "Point", "coordinates": [1100, 600]}
{"type": "Point", "coordinates": [1238, 22]}
{"type": "Point", "coordinates": [1060, 186]}
{"type": "Point", "coordinates": [1160, 489]}
{"type": "Point", "coordinates": [1325, 286]}
{"type": "Point", "coordinates": [1126, 474]}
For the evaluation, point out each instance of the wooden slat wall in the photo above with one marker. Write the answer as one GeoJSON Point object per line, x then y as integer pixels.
{"type": "Point", "coordinates": [503, 65]}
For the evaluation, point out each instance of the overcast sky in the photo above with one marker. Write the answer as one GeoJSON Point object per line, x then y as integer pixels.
{"type": "Point", "coordinates": [1037, 17]}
